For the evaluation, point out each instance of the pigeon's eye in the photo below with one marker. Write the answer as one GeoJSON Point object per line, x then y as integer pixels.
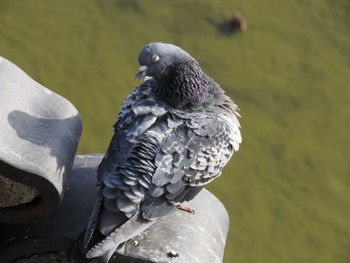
{"type": "Point", "coordinates": [155, 58]}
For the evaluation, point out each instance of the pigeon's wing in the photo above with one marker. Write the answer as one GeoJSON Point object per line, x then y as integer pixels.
{"type": "Point", "coordinates": [125, 172]}
{"type": "Point", "coordinates": [193, 153]}
{"type": "Point", "coordinates": [138, 112]}
{"type": "Point", "coordinates": [122, 192]}
{"type": "Point", "coordinates": [158, 158]}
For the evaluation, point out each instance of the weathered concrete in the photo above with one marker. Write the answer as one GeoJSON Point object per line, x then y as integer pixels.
{"type": "Point", "coordinates": [57, 232]}
{"type": "Point", "coordinates": [39, 134]}
{"type": "Point", "coordinates": [179, 237]}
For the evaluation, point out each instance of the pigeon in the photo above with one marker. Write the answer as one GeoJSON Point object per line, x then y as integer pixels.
{"type": "Point", "coordinates": [174, 134]}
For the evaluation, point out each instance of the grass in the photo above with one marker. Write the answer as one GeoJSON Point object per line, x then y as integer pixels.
{"type": "Point", "coordinates": [288, 189]}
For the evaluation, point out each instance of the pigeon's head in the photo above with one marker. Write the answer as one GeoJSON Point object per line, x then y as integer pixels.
{"type": "Point", "coordinates": [157, 58]}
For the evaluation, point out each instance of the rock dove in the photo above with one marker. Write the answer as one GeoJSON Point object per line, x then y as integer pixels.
{"type": "Point", "coordinates": [174, 134]}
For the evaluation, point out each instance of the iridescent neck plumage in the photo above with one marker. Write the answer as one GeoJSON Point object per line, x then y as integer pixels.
{"type": "Point", "coordinates": [185, 85]}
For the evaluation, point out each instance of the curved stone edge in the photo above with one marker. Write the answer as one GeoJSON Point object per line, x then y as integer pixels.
{"type": "Point", "coordinates": [37, 209]}
{"type": "Point", "coordinates": [39, 134]}
{"type": "Point", "coordinates": [58, 231]}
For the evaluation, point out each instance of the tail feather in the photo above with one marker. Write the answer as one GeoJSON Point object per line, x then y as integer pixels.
{"type": "Point", "coordinates": [90, 230]}
{"type": "Point", "coordinates": [134, 226]}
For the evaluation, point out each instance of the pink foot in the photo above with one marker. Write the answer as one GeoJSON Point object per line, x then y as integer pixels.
{"type": "Point", "coordinates": [186, 208]}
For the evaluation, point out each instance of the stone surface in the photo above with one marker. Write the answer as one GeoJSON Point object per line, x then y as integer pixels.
{"type": "Point", "coordinates": [24, 194]}
{"type": "Point", "coordinates": [39, 134]}
{"type": "Point", "coordinates": [179, 237]}
{"type": "Point", "coordinates": [59, 230]}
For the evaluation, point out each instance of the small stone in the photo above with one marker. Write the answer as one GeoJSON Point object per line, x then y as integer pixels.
{"type": "Point", "coordinates": [173, 254]}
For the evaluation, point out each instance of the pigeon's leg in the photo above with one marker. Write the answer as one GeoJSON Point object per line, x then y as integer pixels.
{"type": "Point", "coordinates": [186, 208]}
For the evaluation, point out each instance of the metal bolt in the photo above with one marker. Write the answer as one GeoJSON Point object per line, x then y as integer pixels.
{"type": "Point", "coordinates": [134, 242]}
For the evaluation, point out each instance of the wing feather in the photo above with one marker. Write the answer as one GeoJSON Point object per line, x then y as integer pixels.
{"type": "Point", "coordinates": [158, 158]}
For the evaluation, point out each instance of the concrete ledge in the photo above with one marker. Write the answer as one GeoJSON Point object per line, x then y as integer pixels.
{"type": "Point", "coordinates": [39, 134]}
{"type": "Point", "coordinates": [179, 237]}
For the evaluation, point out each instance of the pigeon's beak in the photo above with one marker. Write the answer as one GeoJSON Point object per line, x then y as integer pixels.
{"type": "Point", "coordinates": [141, 73]}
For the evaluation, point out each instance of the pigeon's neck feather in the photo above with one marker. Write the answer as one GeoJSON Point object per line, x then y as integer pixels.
{"type": "Point", "coordinates": [186, 85]}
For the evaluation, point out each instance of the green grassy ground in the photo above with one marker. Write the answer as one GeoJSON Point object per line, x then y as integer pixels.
{"type": "Point", "coordinates": [288, 189]}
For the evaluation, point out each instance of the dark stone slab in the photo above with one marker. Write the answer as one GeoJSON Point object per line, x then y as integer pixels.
{"type": "Point", "coordinates": [179, 237]}
{"type": "Point", "coordinates": [58, 231]}
{"type": "Point", "coordinates": [39, 134]}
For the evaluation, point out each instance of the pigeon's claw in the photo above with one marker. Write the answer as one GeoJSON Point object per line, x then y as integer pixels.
{"type": "Point", "coordinates": [186, 208]}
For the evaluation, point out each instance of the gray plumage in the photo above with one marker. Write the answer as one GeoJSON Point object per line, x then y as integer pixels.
{"type": "Point", "coordinates": [175, 133]}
